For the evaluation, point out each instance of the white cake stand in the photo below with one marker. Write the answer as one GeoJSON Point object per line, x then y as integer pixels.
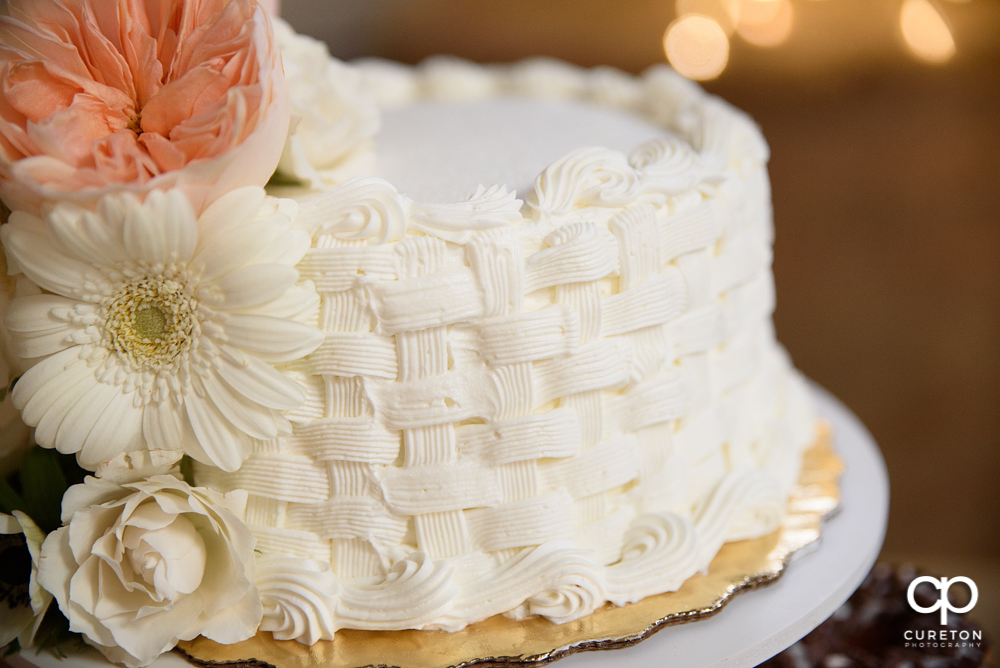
{"type": "Point", "coordinates": [755, 625]}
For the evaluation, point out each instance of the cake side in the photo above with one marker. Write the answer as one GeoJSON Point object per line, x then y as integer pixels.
{"type": "Point", "coordinates": [531, 407]}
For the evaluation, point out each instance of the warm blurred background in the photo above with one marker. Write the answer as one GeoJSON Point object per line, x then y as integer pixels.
{"type": "Point", "coordinates": [884, 122]}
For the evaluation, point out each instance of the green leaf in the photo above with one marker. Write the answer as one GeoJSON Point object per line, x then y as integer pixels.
{"type": "Point", "coordinates": [8, 388]}
{"type": "Point", "coordinates": [279, 179]}
{"type": "Point", "coordinates": [42, 486]}
{"type": "Point", "coordinates": [54, 635]}
{"type": "Point", "coordinates": [13, 648]}
{"type": "Point", "coordinates": [10, 500]}
{"type": "Point", "coordinates": [71, 469]}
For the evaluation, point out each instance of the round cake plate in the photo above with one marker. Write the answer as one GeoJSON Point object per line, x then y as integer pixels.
{"type": "Point", "coordinates": [753, 626]}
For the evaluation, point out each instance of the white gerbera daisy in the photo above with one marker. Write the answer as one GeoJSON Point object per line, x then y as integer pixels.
{"type": "Point", "coordinates": [161, 328]}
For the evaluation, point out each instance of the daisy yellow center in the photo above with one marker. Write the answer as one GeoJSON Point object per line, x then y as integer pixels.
{"type": "Point", "coordinates": [151, 321]}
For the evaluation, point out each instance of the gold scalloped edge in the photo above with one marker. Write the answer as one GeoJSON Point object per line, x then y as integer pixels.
{"type": "Point", "coordinates": [499, 641]}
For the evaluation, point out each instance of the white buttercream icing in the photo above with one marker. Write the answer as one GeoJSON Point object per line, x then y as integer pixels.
{"type": "Point", "coordinates": [363, 208]}
{"type": "Point", "coordinates": [370, 209]}
{"type": "Point", "coordinates": [586, 176]}
{"type": "Point", "coordinates": [511, 142]}
{"type": "Point", "coordinates": [530, 402]}
{"type": "Point", "coordinates": [670, 165]}
{"type": "Point", "coordinates": [299, 598]}
{"type": "Point", "coordinates": [660, 552]}
{"type": "Point", "coordinates": [416, 591]}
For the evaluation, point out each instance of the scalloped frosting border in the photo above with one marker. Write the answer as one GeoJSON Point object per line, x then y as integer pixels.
{"type": "Point", "coordinates": [709, 138]}
{"type": "Point", "coordinates": [738, 567]}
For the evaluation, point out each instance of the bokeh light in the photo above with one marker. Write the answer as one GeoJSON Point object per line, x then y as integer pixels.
{"type": "Point", "coordinates": [724, 12]}
{"type": "Point", "coordinates": [697, 47]}
{"type": "Point", "coordinates": [765, 22]}
{"type": "Point", "coordinates": [758, 12]}
{"type": "Point", "coordinates": [926, 32]}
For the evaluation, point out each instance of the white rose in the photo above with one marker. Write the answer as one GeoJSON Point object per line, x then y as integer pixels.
{"type": "Point", "coordinates": [334, 113]}
{"type": "Point", "coordinates": [22, 601]}
{"type": "Point", "coordinates": [142, 565]}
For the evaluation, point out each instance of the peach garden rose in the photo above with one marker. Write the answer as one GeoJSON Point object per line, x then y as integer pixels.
{"type": "Point", "coordinates": [98, 96]}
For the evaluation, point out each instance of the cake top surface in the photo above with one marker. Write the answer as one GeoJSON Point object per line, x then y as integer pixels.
{"type": "Point", "coordinates": [438, 151]}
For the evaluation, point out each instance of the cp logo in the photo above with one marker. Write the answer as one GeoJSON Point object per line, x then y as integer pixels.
{"type": "Point", "coordinates": [943, 603]}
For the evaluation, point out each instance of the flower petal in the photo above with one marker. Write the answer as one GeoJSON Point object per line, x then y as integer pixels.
{"type": "Point", "coordinates": [147, 637]}
{"type": "Point", "coordinates": [9, 525]}
{"type": "Point", "coordinates": [220, 442]}
{"type": "Point", "coordinates": [252, 419]}
{"type": "Point", "coordinates": [99, 594]}
{"type": "Point", "coordinates": [300, 302]}
{"type": "Point", "coordinates": [63, 399]}
{"type": "Point", "coordinates": [236, 622]}
{"type": "Point", "coordinates": [84, 415]}
{"type": "Point", "coordinates": [288, 246]}
{"type": "Point", "coordinates": [272, 339]}
{"type": "Point", "coordinates": [231, 211]}
{"type": "Point", "coordinates": [255, 284]}
{"type": "Point", "coordinates": [182, 572]}
{"type": "Point", "coordinates": [227, 126]}
{"type": "Point", "coordinates": [118, 430]}
{"type": "Point", "coordinates": [94, 492]}
{"type": "Point", "coordinates": [161, 426]}
{"type": "Point", "coordinates": [43, 383]}
{"type": "Point", "coordinates": [85, 591]}
{"type": "Point", "coordinates": [56, 566]}
{"type": "Point", "coordinates": [225, 252]}
{"type": "Point", "coordinates": [89, 534]}
{"type": "Point", "coordinates": [258, 381]}
{"type": "Point", "coordinates": [146, 516]}
{"type": "Point", "coordinates": [163, 230]}
{"type": "Point", "coordinates": [41, 345]}
{"type": "Point", "coordinates": [115, 654]}
{"type": "Point", "coordinates": [35, 331]}
{"type": "Point", "coordinates": [33, 252]}
{"type": "Point", "coordinates": [87, 236]}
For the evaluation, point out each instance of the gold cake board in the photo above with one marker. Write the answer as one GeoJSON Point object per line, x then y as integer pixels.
{"type": "Point", "coordinates": [499, 641]}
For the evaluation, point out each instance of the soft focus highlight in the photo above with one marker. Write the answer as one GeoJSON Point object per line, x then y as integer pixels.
{"type": "Point", "coordinates": [926, 32]}
{"type": "Point", "coordinates": [697, 47]}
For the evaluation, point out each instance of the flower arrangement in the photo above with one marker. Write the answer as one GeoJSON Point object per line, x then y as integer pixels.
{"type": "Point", "coordinates": [153, 311]}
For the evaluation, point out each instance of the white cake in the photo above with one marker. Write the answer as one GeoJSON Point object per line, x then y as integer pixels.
{"type": "Point", "coordinates": [511, 353]}
{"type": "Point", "coordinates": [549, 377]}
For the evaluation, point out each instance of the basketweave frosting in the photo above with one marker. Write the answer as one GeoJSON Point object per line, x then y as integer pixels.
{"type": "Point", "coordinates": [538, 406]}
